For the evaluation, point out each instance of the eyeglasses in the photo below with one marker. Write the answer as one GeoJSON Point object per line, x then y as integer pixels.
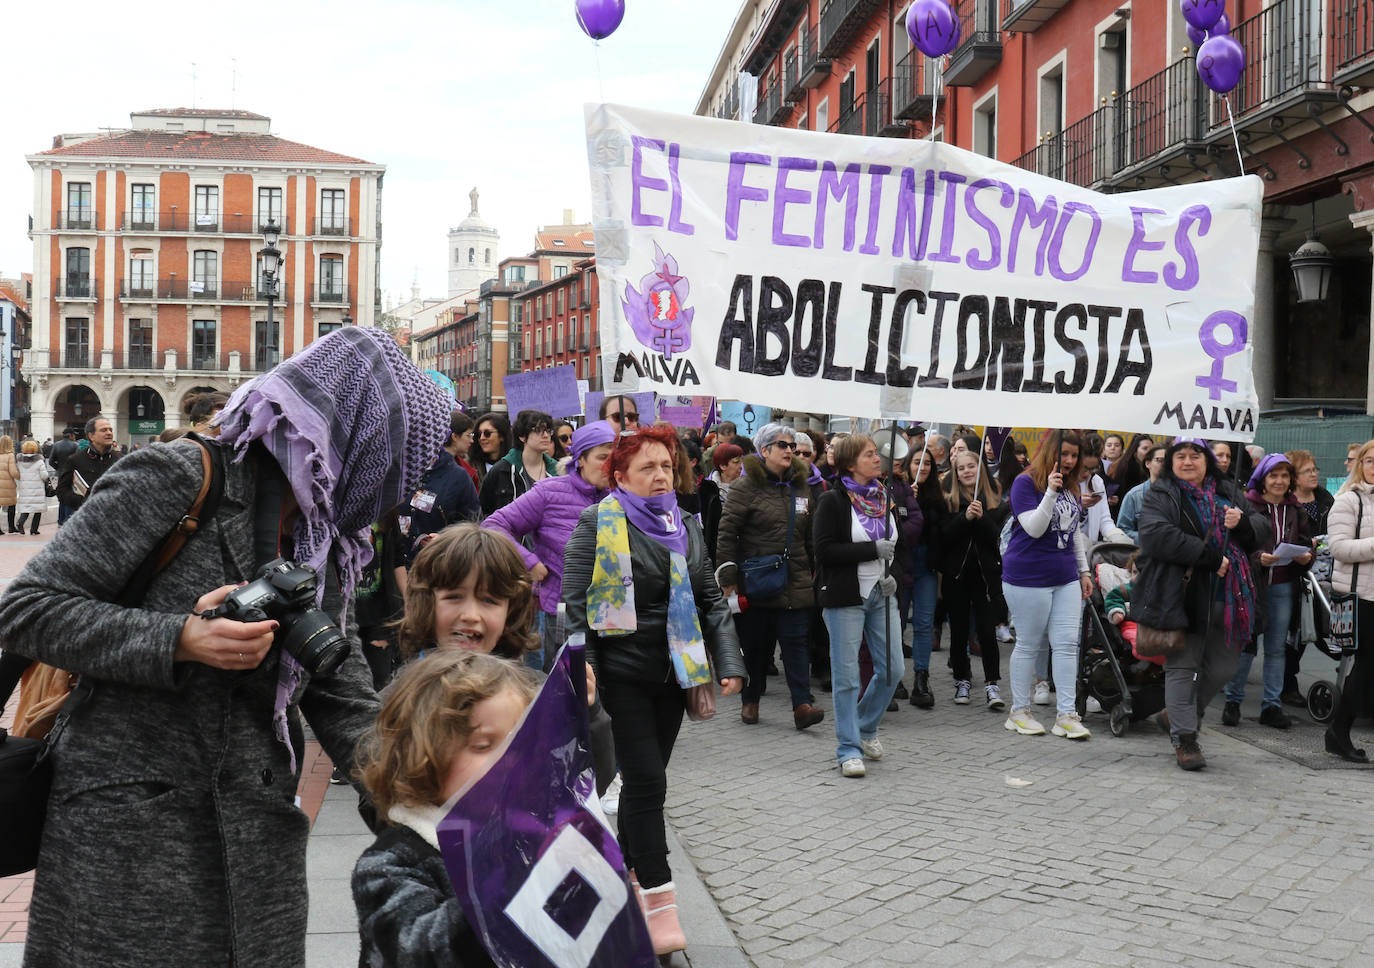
{"type": "Point", "coordinates": [542, 431]}
{"type": "Point", "coordinates": [628, 418]}
{"type": "Point", "coordinates": [784, 444]}
{"type": "Point", "coordinates": [805, 453]}
{"type": "Point", "coordinates": [1308, 470]}
{"type": "Point", "coordinates": [565, 438]}
{"type": "Point", "coordinates": [487, 433]}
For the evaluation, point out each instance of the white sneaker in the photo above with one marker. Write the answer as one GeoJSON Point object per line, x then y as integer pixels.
{"type": "Point", "coordinates": [853, 767]}
{"type": "Point", "coordinates": [961, 691]}
{"type": "Point", "coordinates": [1021, 721]}
{"type": "Point", "coordinates": [1069, 726]}
{"type": "Point", "coordinates": [1093, 706]}
{"type": "Point", "coordinates": [994, 697]}
{"type": "Point", "coordinates": [1040, 695]}
{"type": "Point", "coordinates": [1005, 634]}
{"type": "Point", "coordinates": [873, 748]}
{"type": "Point", "coordinates": [610, 802]}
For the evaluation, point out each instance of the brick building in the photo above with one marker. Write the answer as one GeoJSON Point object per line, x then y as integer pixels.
{"type": "Point", "coordinates": [562, 325]}
{"type": "Point", "coordinates": [147, 280]}
{"type": "Point", "coordinates": [1105, 94]}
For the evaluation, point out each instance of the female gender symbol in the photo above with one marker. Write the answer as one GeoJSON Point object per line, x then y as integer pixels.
{"type": "Point", "coordinates": [1214, 382]}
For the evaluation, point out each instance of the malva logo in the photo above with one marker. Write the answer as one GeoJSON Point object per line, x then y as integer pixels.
{"type": "Point", "coordinates": [658, 314]}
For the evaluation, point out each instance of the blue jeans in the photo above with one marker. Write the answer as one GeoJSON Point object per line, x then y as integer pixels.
{"type": "Point", "coordinates": [1280, 612]}
{"type": "Point", "coordinates": [922, 598]}
{"type": "Point", "coordinates": [758, 629]}
{"type": "Point", "coordinates": [1045, 618]}
{"type": "Point", "coordinates": [849, 627]}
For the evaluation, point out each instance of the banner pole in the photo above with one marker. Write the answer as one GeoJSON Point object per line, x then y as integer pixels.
{"type": "Point", "coordinates": [982, 442]}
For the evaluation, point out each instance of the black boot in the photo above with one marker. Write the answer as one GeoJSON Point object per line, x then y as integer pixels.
{"type": "Point", "coordinates": [1341, 746]}
{"type": "Point", "coordinates": [901, 692]}
{"type": "Point", "coordinates": [921, 696]}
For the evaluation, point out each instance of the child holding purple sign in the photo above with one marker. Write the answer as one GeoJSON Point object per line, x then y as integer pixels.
{"type": "Point", "coordinates": [442, 723]}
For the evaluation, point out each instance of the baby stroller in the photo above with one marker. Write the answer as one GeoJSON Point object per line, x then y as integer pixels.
{"type": "Point", "coordinates": [1129, 689]}
{"type": "Point", "coordinates": [1314, 628]}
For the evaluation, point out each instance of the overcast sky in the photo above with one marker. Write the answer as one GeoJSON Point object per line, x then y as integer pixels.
{"type": "Point", "coordinates": [447, 94]}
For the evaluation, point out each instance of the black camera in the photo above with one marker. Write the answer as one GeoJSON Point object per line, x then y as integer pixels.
{"type": "Point", "coordinates": [285, 591]}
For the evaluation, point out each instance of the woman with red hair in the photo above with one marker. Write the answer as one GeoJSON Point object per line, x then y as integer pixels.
{"type": "Point", "coordinates": [637, 582]}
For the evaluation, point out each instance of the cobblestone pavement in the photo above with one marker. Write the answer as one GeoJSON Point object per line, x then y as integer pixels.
{"type": "Point", "coordinates": [1111, 856]}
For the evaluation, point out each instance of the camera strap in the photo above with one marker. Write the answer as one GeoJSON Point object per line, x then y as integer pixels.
{"type": "Point", "coordinates": [267, 511]}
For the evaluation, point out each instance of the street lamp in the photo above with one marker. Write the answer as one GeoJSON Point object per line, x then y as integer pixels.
{"type": "Point", "coordinates": [271, 262]}
{"type": "Point", "coordinates": [347, 319]}
{"type": "Point", "coordinates": [140, 411]}
{"type": "Point", "coordinates": [1312, 265]}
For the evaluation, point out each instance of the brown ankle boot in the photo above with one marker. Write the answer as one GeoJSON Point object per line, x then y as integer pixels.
{"type": "Point", "coordinates": [1188, 753]}
{"type": "Point", "coordinates": [660, 905]}
{"type": "Point", "coordinates": [749, 713]}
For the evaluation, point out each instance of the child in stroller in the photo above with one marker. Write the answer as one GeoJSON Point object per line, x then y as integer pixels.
{"type": "Point", "coordinates": [1129, 689]}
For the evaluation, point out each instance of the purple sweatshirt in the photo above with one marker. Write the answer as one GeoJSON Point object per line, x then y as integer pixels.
{"type": "Point", "coordinates": [548, 512]}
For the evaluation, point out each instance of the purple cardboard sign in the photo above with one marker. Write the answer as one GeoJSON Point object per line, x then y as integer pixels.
{"type": "Point", "coordinates": [681, 416]}
{"type": "Point", "coordinates": [537, 871]}
{"type": "Point", "coordinates": [643, 403]}
{"type": "Point", "coordinates": [552, 391]}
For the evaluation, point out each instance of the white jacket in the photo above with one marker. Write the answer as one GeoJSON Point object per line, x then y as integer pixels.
{"type": "Point", "coordinates": [32, 499]}
{"type": "Point", "coordinates": [1346, 548]}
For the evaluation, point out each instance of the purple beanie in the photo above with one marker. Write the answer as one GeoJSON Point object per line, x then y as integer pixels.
{"type": "Point", "coordinates": [593, 435]}
{"type": "Point", "coordinates": [1267, 464]}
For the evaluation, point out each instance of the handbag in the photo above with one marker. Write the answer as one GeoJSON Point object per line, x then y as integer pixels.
{"type": "Point", "coordinates": [765, 577]}
{"type": "Point", "coordinates": [42, 691]}
{"type": "Point", "coordinates": [700, 702]}
{"type": "Point", "coordinates": [1153, 643]}
{"type": "Point", "coordinates": [25, 769]}
{"type": "Point", "coordinates": [1344, 631]}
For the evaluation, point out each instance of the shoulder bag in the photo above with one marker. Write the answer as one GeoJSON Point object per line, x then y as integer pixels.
{"type": "Point", "coordinates": [1153, 643]}
{"type": "Point", "coordinates": [1344, 632]}
{"type": "Point", "coordinates": [53, 695]}
{"type": "Point", "coordinates": [765, 577]}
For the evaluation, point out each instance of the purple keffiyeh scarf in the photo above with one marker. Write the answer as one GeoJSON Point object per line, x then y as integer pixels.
{"type": "Point", "coordinates": [872, 503]}
{"type": "Point", "coordinates": [354, 425]}
{"type": "Point", "coordinates": [1239, 596]}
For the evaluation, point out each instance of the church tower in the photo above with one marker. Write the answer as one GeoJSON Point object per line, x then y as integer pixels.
{"type": "Point", "coordinates": [472, 252]}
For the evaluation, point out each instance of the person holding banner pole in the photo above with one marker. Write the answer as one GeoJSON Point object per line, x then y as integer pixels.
{"type": "Point", "coordinates": [919, 571]}
{"type": "Point", "coordinates": [1045, 578]}
{"type": "Point", "coordinates": [852, 525]}
{"type": "Point", "coordinates": [767, 519]}
{"type": "Point", "coordinates": [637, 582]}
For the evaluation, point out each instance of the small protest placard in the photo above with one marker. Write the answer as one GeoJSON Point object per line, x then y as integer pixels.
{"type": "Point", "coordinates": [552, 391]}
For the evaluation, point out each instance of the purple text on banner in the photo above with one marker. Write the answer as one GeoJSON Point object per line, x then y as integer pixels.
{"type": "Point", "coordinates": [536, 869]}
{"type": "Point", "coordinates": [641, 403]}
{"type": "Point", "coordinates": [552, 391]}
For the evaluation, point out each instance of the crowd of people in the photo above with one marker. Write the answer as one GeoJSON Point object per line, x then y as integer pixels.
{"type": "Point", "coordinates": [466, 551]}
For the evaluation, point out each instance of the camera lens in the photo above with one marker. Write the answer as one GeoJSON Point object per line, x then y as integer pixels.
{"type": "Point", "coordinates": [315, 641]}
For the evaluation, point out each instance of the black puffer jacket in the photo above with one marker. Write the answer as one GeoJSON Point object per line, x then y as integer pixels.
{"type": "Point", "coordinates": [643, 654]}
{"type": "Point", "coordinates": [1173, 587]}
{"type": "Point", "coordinates": [965, 545]}
{"type": "Point", "coordinates": [754, 524]}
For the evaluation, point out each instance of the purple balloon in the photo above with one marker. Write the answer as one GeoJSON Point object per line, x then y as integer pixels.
{"type": "Point", "coordinates": [933, 27]}
{"type": "Point", "coordinates": [1220, 62]}
{"type": "Point", "coordinates": [1195, 36]}
{"type": "Point", "coordinates": [1221, 28]}
{"type": "Point", "coordinates": [1202, 14]}
{"type": "Point", "coordinates": [599, 18]}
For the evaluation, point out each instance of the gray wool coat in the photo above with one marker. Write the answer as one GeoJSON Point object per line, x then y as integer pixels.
{"type": "Point", "coordinates": [172, 837]}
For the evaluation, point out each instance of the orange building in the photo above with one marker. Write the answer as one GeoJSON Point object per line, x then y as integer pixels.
{"type": "Point", "coordinates": [148, 285]}
{"type": "Point", "coordinates": [562, 325]}
{"type": "Point", "coordinates": [1106, 94]}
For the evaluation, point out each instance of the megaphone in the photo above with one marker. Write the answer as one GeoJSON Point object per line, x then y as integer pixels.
{"type": "Point", "coordinates": [892, 447]}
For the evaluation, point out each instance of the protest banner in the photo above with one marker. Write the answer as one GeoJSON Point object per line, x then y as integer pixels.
{"type": "Point", "coordinates": [552, 391]}
{"type": "Point", "coordinates": [828, 273]}
{"type": "Point", "coordinates": [535, 866]}
{"type": "Point", "coordinates": [746, 417]}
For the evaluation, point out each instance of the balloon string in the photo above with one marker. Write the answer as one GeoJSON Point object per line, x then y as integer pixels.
{"type": "Point", "coordinates": [933, 95]}
{"type": "Point", "coordinates": [1240, 159]}
{"type": "Point", "coordinates": [596, 53]}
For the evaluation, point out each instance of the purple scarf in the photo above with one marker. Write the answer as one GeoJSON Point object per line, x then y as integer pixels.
{"type": "Point", "coordinates": [1239, 591]}
{"type": "Point", "coordinates": [354, 425]}
{"type": "Point", "coordinates": [658, 517]}
{"type": "Point", "coordinates": [871, 501]}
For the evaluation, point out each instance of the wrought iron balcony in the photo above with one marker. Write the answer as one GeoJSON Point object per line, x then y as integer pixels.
{"type": "Point", "coordinates": [980, 44]}
{"type": "Point", "coordinates": [841, 22]}
{"type": "Point", "coordinates": [1284, 79]}
{"type": "Point", "coordinates": [77, 287]}
{"type": "Point", "coordinates": [792, 91]}
{"type": "Point", "coordinates": [77, 219]}
{"type": "Point", "coordinates": [143, 220]}
{"type": "Point", "coordinates": [336, 225]}
{"type": "Point", "coordinates": [812, 68]}
{"type": "Point", "coordinates": [329, 293]}
{"type": "Point", "coordinates": [1352, 36]}
{"type": "Point", "coordinates": [917, 81]}
{"type": "Point", "coordinates": [1026, 15]}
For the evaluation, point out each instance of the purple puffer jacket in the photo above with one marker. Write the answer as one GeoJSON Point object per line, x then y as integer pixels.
{"type": "Point", "coordinates": [548, 512]}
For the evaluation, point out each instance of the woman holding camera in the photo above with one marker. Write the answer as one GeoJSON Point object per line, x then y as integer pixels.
{"type": "Point", "coordinates": [172, 835]}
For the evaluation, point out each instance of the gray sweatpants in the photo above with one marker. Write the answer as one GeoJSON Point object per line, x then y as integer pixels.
{"type": "Point", "coordinates": [1194, 676]}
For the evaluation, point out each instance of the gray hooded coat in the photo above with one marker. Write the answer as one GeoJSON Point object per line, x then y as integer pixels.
{"type": "Point", "coordinates": [172, 837]}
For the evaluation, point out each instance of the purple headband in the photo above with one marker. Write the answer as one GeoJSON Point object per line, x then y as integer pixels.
{"type": "Point", "coordinates": [1267, 463]}
{"type": "Point", "coordinates": [593, 435]}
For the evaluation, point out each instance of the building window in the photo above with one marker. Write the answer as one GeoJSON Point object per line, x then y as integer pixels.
{"type": "Point", "coordinates": [207, 208]}
{"type": "Point", "coordinates": [488, 256]}
{"type": "Point", "coordinates": [266, 344]}
{"type": "Point", "coordinates": [560, 271]}
{"type": "Point", "coordinates": [331, 288]}
{"type": "Point", "coordinates": [205, 274]}
{"type": "Point", "coordinates": [472, 255]}
{"type": "Point", "coordinates": [823, 115]}
{"type": "Point", "coordinates": [327, 328]}
{"type": "Point", "coordinates": [78, 272]}
{"type": "Point", "coordinates": [269, 207]}
{"type": "Point", "coordinates": [141, 274]}
{"type": "Point", "coordinates": [140, 343]}
{"type": "Point", "coordinates": [143, 207]}
{"type": "Point", "coordinates": [333, 212]}
{"type": "Point", "coordinates": [985, 126]}
{"type": "Point", "coordinates": [77, 351]}
{"type": "Point", "coordinates": [80, 213]}
{"type": "Point", "coordinates": [204, 345]}
{"type": "Point", "coordinates": [559, 345]}
{"type": "Point", "coordinates": [560, 302]}
{"type": "Point", "coordinates": [515, 273]}
{"type": "Point", "coordinates": [518, 309]}
{"type": "Point", "coordinates": [457, 256]}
